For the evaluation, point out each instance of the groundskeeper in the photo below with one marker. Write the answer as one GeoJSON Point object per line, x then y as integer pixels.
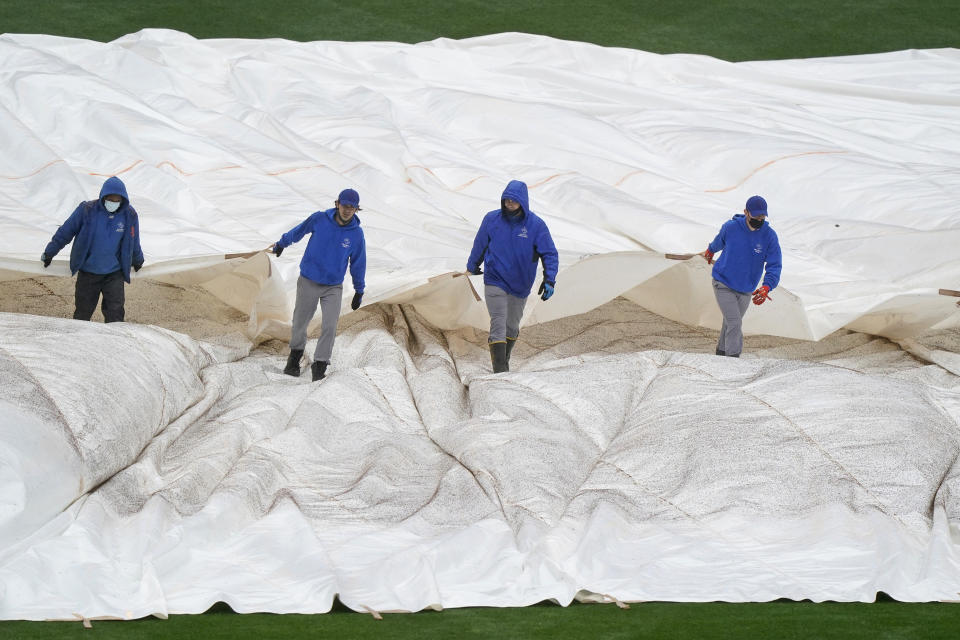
{"type": "Point", "coordinates": [510, 243]}
{"type": "Point", "coordinates": [749, 249]}
{"type": "Point", "coordinates": [336, 240]}
{"type": "Point", "coordinates": [106, 245]}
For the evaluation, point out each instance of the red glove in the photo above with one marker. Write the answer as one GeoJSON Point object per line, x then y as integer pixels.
{"type": "Point", "coordinates": [761, 295]}
{"type": "Point", "coordinates": [708, 256]}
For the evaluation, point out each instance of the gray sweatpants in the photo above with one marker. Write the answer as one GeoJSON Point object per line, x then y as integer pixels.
{"type": "Point", "coordinates": [505, 313]}
{"type": "Point", "coordinates": [309, 293]}
{"type": "Point", "coordinates": [733, 306]}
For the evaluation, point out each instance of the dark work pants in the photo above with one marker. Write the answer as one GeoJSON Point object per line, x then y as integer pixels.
{"type": "Point", "coordinates": [89, 288]}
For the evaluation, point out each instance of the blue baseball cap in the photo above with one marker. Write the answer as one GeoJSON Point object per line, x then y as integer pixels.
{"type": "Point", "coordinates": [757, 206]}
{"type": "Point", "coordinates": [349, 197]}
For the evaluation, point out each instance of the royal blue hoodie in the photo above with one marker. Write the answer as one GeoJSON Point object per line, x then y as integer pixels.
{"type": "Point", "coordinates": [509, 246]}
{"type": "Point", "coordinates": [329, 249]}
{"type": "Point", "coordinates": [94, 233]}
{"type": "Point", "coordinates": [745, 254]}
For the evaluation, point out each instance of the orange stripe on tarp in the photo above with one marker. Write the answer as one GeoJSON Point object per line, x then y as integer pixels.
{"type": "Point", "coordinates": [193, 173]}
{"type": "Point", "coordinates": [556, 175]}
{"type": "Point", "coordinates": [49, 164]}
{"type": "Point", "coordinates": [177, 169]}
{"type": "Point", "coordinates": [295, 169]}
{"type": "Point", "coordinates": [771, 162]}
{"type": "Point", "coordinates": [467, 184]}
{"type": "Point", "coordinates": [93, 173]}
{"type": "Point", "coordinates": [530, 186]}
{"type": "Point", "coordinates": [237, 166]}
{"type": "Point", "coordinates": [624, 178]}
{"type": "Point", "coordinates": [421, 166]}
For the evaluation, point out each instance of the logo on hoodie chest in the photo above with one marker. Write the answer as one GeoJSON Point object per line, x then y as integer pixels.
{"type": "Point", "coordinates": [523, 232]}
{"type": "Point", "coordinates": [758, 249]}
{"type": "Point", "coordinates": [346, 243]}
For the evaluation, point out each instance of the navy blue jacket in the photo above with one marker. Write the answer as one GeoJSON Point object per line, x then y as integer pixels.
{"type": "Point", "coordinates": [330, 248]}
{"type": "Point", "coordinates": [81, 228]}
{"type": "Point", "coordinates": [746, 253]}
{"type": "Point", "coordinates": [509, 246]}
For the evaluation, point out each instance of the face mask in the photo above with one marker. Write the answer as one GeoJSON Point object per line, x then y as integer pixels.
{"type": "Point", "coordinates": [111, 206]}
{"type": "Point", "coordinates": [755, 223]}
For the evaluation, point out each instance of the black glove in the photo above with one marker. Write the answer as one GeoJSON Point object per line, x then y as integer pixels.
{"type": "Point", "coordinates": [478, 271]}
{"type": "Point", "coordinates": [137, 265]}
{"type": "Point", "coordinates": [277, 249]}
{"type": "Point", "coordinates": [357, 297]}
{"type": "Point", "coordinates": [46, 260]}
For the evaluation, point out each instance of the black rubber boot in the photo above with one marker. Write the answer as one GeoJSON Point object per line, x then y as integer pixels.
{"type": "Point", "coordinates": [293, 363]}
{"type": "Point", "coordinates": [319, 370]}
{"type": "Point", "coordinates": [498, 356]}
{"type": "Point", "coordinates": [510, 343]}
{"type": "Point", "coordinates": [720, 353]}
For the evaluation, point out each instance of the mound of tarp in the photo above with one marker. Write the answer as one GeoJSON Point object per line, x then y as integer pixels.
{"type": "Point", "coordinates": [149, 473]}
{"type": "Point", "coordinates": [226, 144]}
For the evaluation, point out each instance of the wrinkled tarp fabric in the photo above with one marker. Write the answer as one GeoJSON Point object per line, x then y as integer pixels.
{"type": "Point", "coordinates": [224, 144]}
{"type": "Point", "coordinates": [411, 477]}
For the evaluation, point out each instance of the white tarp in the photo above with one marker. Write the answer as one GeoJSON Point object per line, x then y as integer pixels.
{"type": "Point", "coordinates": [152, 474]}
{"type": "Point", "coordinates": [226, 144]}
{"type": "Point", "coordinates": [143, 471]}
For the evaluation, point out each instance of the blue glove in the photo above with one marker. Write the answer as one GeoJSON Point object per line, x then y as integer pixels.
{"type": "Point", "coordinates": [546, 290]}
{"type": "Point", "coordinates": [355, 303]}
{"type": "Point", "coordinates": [45, 259]}
{"type": "Point", "coordinates": [277, 249]}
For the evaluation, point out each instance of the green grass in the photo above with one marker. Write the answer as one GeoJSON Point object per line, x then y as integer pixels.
{"type": "Point", "coordinates": [883, 620]}
{"type": "Point", "coordinates": [728, 29]}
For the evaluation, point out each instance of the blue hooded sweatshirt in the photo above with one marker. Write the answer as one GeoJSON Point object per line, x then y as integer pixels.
{"type": "Point", "coordinates": [510, 245]}
{"type": "Point", "coordinates": [745, 254]}
{"type": "Point", "coordinates": [103, 242]}
{"type": "Point", "coordinates": [329, 249]}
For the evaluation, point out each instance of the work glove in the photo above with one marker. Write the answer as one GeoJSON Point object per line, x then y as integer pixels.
{"type": "Point", "coordinates": [476, 271]}
{"type": "Point", "coordinates": [277, 249]}
{"type": "Point", "coordinates": [546, 289]}
{"type": "Point", "coordinates": [708, 256]}
{"type": "Point", "coordinates": [137, 265]}
{"type": "Point", "coordinates": [355, 304]}
{"type": "Point", "coordinates": [46, 260]}
{"type": "Point", "coordinates": [761, 295]}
